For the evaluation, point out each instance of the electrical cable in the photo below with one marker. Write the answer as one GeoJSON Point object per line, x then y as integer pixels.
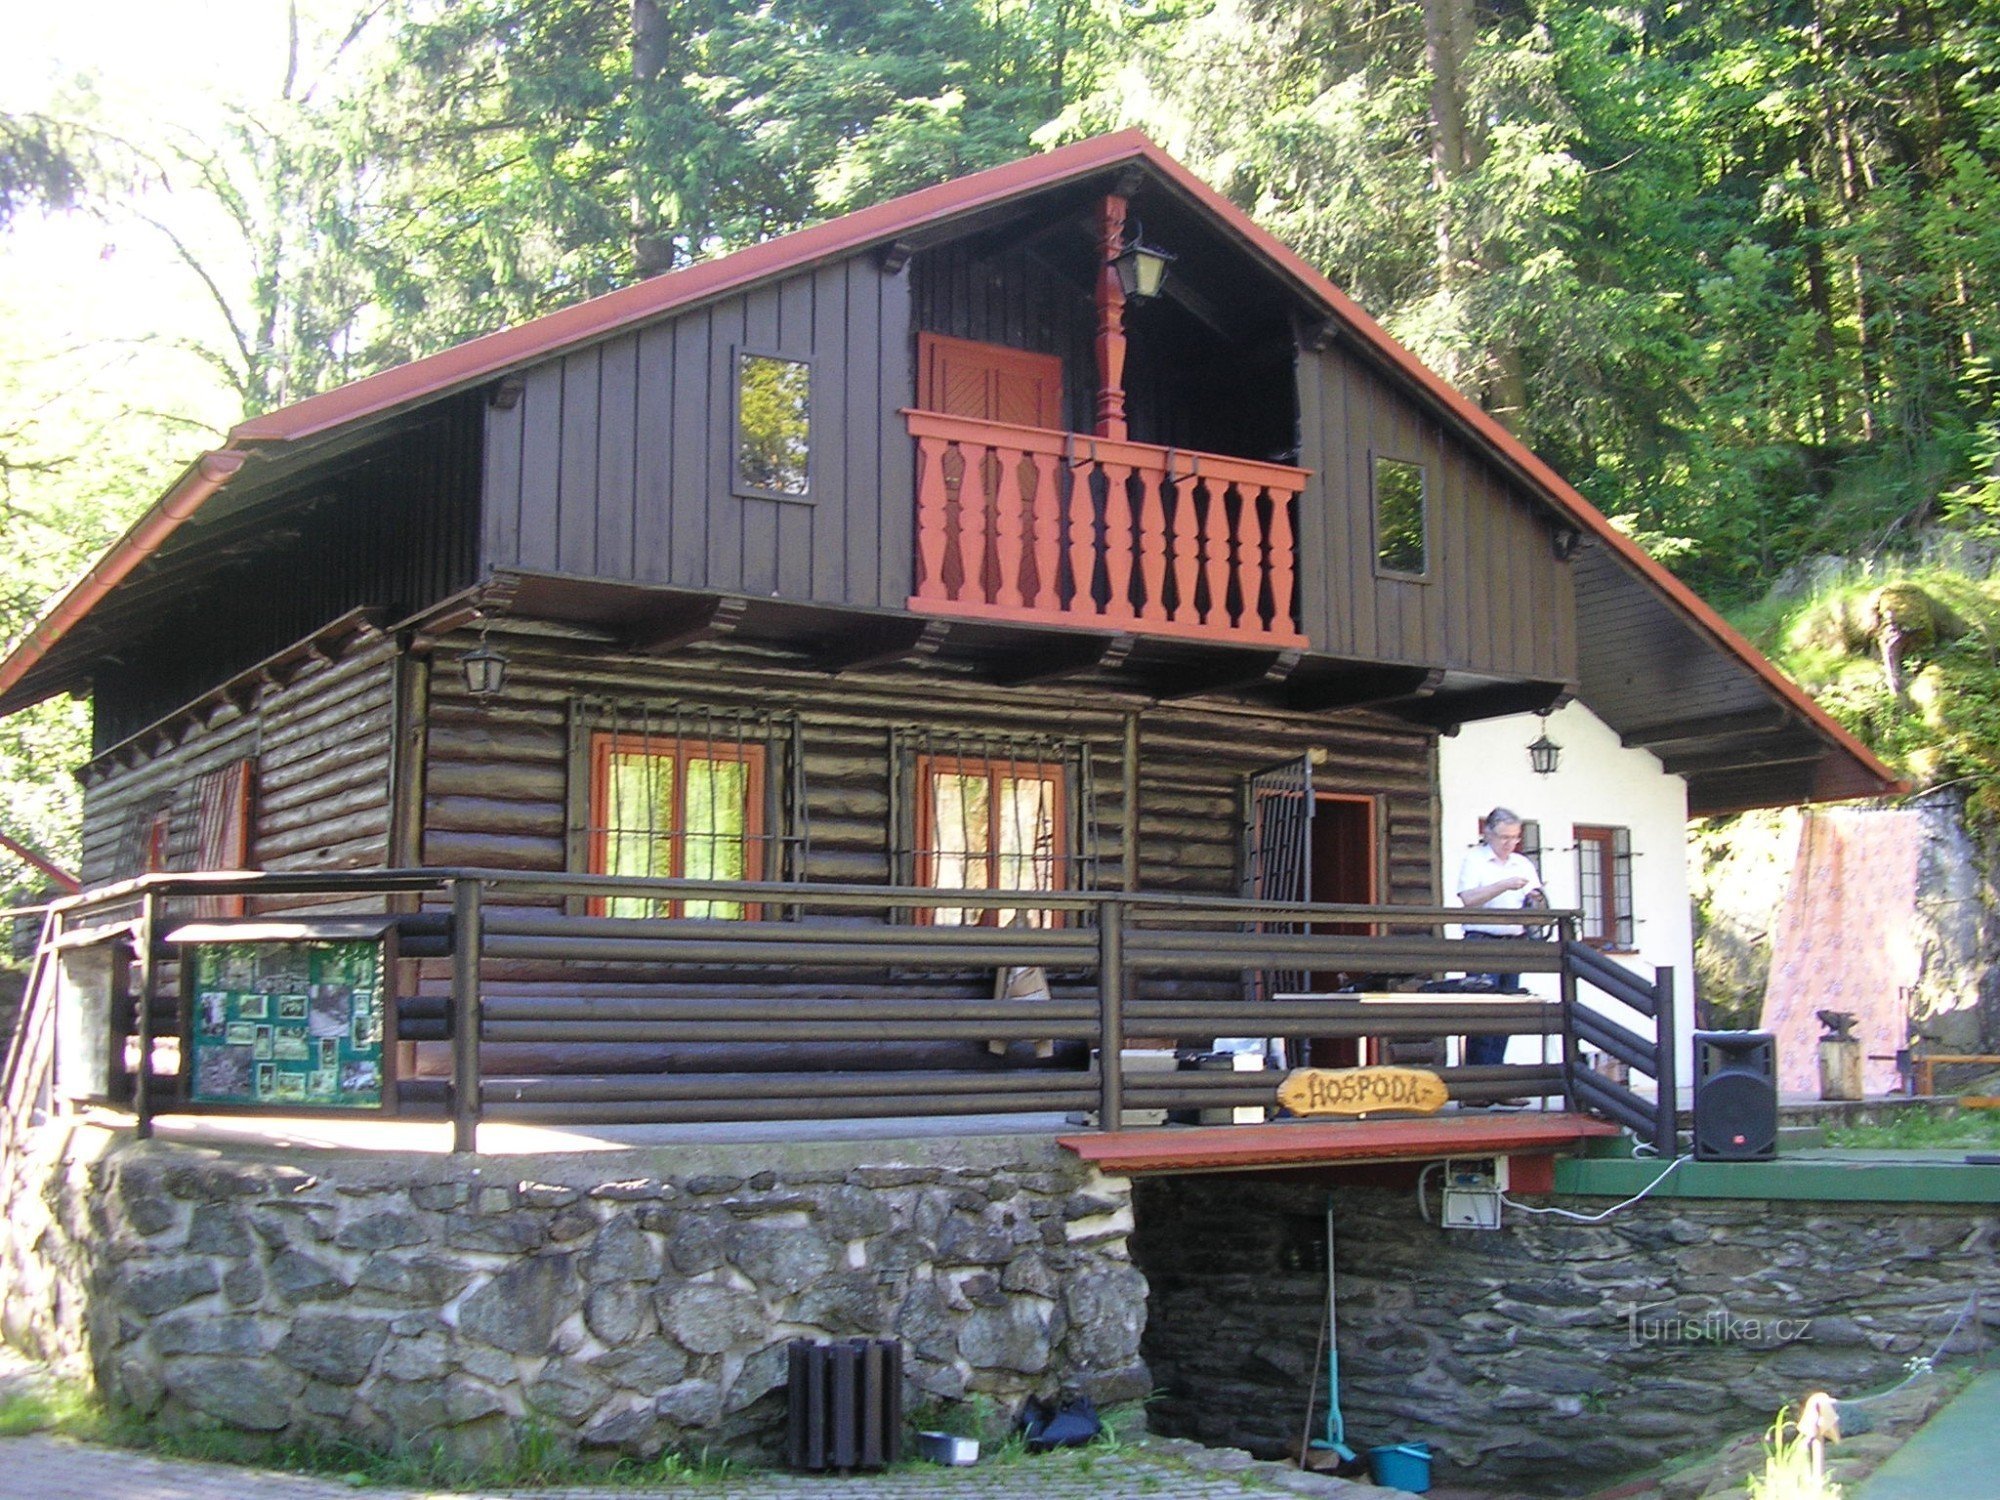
{"type": "Point", "coordinates": [1423, 1208]}
{"type": "Point", "coordinates": [1923, 1364]}
{"type": "Point", "coordinates": [1597, 1218]}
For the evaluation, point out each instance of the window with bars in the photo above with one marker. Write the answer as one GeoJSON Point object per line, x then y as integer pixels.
{"type": "Point", "coordinates": [1006, 814]}
{"type": "Point", "coordinates": [685, 793]}
{"type": "Point", "coordinates": [1604, 885]}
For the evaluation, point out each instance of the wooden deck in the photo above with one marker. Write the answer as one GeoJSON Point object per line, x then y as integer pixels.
{"type": "Point", "coordinates": [1238, 1148]}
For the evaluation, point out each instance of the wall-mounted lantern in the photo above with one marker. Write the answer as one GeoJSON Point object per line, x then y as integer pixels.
{"type": "Point", "coordinates": [1544, 753]}
{"type": "Point", "coordinates": [1141, 268]}
{"type": "Point", "coordinates": [485, 669]}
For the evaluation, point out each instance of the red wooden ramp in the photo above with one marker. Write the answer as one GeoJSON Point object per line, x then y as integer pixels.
{"type": "Point", "coordinates": [1248, 1148]}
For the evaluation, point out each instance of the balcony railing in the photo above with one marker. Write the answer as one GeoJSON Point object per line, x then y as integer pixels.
{"type": "Point", "coordinates": [1113, 945]}
{"type": "Point", "coordinates": [1021, 523]}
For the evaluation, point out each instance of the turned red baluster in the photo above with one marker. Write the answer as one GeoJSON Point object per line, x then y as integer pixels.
{"type": "Point", "coordinates": [1282, 563]}
{"type": "Point", "coordinates": [930, 518]}
{"type": "Point", "coordinates": [1044, 541]}
{"type": "Point", "coordinates": [1119, 541]}
{"type": "Point", "coordinates": [1152, 545]}
{"type": "Point", "coordinates": [1004, 470]}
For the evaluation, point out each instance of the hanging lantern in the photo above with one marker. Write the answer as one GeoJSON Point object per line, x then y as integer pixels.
{"type": "Point", "coordinates": [485, 669]}
{"type": "Point", "coordinates": [1141, 268]}
{"type": "Point", "coordinates": [1544, 753]}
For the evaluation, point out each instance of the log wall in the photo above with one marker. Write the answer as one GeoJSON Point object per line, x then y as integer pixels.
{"type": "Point", "coordinates": [320, 789]}
{"type": "Point", "coordinates": [497, 793]}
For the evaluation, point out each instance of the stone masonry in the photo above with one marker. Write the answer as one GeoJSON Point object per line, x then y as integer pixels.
{"type": "Point", "coordinates": [627, 1300]}
{"type": "Point", "coordinates": [1548, 1354]}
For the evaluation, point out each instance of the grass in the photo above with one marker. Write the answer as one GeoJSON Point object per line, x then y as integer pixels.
{"type": "Point", "coordinates": [1976, 1128]}
{"type": "Point", "coordinates": [538, 1459]}
{"type": "Point", "coordinates": [57, 1406]}
{"type": "Point", "coordinates": [1791, 1469]}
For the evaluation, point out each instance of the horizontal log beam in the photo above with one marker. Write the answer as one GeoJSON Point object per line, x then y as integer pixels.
{"type": "Point", "coordinates": [1449, 710]}
{"type": "Point", "coordinates": [1362, 687]}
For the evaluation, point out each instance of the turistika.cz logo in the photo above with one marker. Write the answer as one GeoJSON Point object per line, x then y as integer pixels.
{"type": "Point", "coordinates": [1648, 1325]}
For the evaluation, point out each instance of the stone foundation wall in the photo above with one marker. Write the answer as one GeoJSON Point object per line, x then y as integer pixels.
{"type": "Point", "coordinates": [630, 1300]}
{"type": "Point", "coordinates": [1517, 1353]}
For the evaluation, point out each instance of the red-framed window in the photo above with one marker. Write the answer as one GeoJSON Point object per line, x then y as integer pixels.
{"type": "Point", "coordinates": [687, 809]}
{"type": "Point", "coordinates": [1604, 885]}
{"type": "Point", "coordinates": [987, 823]}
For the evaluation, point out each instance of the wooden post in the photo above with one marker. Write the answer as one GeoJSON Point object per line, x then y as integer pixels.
{"type": "Point", "coordinates": [1110, 1014]}
{"type": "Point", "coordinates": [1565, 935]}
{"type": "Point", "coordinates": [465, 946]}
{"type": "Point", "coordinates": [1128, 836]}
{"type": "Point", "coordinates": [1110, 321]}
{"type": "Point", "coordinates": [1666, 1130]}
{"type": "Point", "coordinates": [142, 1075]}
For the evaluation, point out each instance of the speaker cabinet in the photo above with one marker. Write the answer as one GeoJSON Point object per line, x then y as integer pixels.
{"type": "Point", "coordinates": [1735, 1096]}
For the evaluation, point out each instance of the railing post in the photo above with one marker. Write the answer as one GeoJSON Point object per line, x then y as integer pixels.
{"type": "Point", "coordinates": [465, 945]}
{"type": "Point", "coordinates": [1565, 935]}
{"type": "Point", "coordinates": [142, 1075]}
{"type": "Point", "coordinates": [1666, 1129]}
{"type": "Point", "coordinates": [1110, 1014]}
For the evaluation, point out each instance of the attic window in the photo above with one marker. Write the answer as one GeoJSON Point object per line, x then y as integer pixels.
{"type": "Point", "coordinates": [773, 426]}
{"type": "Point", "coordinates": [1400, 523]}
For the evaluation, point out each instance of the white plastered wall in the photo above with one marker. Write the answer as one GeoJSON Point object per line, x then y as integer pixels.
{"type": "Point", "coordinates": [1601, 782]}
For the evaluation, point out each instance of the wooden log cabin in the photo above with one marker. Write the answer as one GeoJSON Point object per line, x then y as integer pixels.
{"type": "Point", "coordinates": [912, 549]}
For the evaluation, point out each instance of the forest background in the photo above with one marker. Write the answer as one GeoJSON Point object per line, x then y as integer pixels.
{"type": "Point", "coordinates": [1732, 267]}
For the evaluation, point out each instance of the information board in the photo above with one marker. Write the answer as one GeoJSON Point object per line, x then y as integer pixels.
{"type": "Point", "coordinates": [294, 1023]}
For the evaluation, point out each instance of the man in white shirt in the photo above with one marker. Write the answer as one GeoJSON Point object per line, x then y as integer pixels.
{"type": "Point", "coordinates": [1496, 877]}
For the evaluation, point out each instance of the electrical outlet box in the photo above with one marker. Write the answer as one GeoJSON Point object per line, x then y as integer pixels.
{"type": "Point", "coordinates": [1472, 1189]}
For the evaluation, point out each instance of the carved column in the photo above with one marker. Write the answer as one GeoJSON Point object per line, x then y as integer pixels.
{"type": "Point", "coordinates": [1110, 321]}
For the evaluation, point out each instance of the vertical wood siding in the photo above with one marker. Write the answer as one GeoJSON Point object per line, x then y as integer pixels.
{"type": "Point", "coordinates": [395, 529]}
{"type": "Point", "coordinates": [1496, 599]}
{"type": "Point", "coordinates": [616, 461]}
{"type": "Point", "coordinates": [320, 748]}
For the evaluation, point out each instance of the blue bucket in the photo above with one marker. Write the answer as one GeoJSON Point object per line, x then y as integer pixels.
{"type": "Point", "coordinates": [1401, 1466]}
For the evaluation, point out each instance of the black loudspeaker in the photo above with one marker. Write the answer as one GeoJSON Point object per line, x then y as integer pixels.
{"type": "Point", "coordinates": [1735, 1096]}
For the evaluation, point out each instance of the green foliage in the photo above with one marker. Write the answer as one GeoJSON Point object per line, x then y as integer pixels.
{"type": "Point", "coordinates": [38, 165]}
{"type": "Point", "coordinates": [1946, 727]}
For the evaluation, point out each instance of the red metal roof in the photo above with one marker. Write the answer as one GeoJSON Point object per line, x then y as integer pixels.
{"type": "Point", "coordinates": [1296, 1143]}
{"type": "Point", "coordinates": [498, 353]}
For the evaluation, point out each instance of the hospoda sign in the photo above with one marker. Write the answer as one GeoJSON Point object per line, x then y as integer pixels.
{"type": "Point", "coordinates": [1362, 1091]}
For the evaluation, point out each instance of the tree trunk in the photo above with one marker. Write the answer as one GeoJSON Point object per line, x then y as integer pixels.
{"type": "Point", "coordinates": [652, 48]}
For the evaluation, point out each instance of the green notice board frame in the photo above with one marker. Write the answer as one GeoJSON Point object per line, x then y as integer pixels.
{"type": "Point", "coordinates": [288, 1016]}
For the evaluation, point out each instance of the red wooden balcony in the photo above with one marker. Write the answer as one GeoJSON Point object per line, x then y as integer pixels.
{"type": "Point", "coordinates": [1022, 523]}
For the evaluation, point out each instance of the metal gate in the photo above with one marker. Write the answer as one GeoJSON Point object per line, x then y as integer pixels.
{"type": "Point", "coordinates": [1277, 861]}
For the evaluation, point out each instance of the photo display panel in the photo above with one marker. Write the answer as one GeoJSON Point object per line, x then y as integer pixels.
{"type": "Point", "coordinates": [288, 1023]}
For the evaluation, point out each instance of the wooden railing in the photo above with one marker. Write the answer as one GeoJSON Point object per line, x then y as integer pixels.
{"type": "Point", "coordinates": [1020, 523]}
{"type": "Point", "coordinates": [1110, 948]}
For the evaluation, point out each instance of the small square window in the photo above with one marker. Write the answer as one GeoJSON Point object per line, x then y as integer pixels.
{"type": "Point", "coordinates": [773, 426]}
{"type": "Point", "coordinates": [1399, 517]}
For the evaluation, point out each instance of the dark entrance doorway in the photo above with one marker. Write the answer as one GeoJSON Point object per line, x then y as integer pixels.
{"type": "Point", "coordinates": [1304, 843]}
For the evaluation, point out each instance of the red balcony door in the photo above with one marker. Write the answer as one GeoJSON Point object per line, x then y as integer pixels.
{"type": "Point", "coordinates": [990, 382]}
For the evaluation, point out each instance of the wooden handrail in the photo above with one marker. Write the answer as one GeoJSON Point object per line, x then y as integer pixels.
{"type": "Point", "coordinates": [1030, 524]}
{"type": "Point", "coordinates": [1104, 962]}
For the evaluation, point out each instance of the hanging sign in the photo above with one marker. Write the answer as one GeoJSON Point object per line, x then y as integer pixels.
{"type": "Point", "coordinates": [1362, 1091]}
